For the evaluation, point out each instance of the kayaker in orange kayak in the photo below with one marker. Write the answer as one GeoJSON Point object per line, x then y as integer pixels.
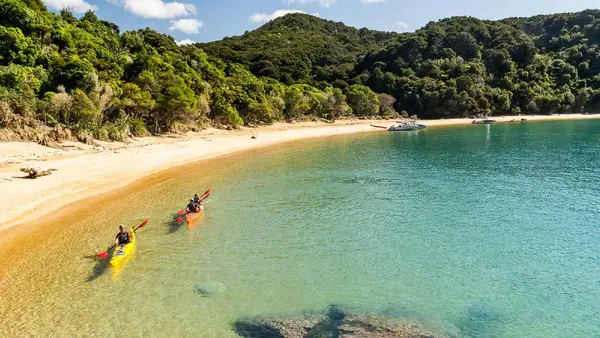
{"type": "Point", "coordinates": [123, 237]}
{"type": "Point", "coordinates": [192, 207]}
{"type": "Point", "coordinates": [199, 202]}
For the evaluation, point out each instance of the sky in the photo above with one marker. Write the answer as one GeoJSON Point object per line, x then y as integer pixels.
{"type": "Point", "coordinates": [208, 20]}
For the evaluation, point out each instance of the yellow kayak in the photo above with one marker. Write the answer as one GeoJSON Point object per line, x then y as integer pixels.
{"type": "Point", "coordinates": [122, 253]}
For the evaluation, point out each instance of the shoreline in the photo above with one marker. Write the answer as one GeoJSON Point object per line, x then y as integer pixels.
{"type": "Point", "coordinates": [85, 171]}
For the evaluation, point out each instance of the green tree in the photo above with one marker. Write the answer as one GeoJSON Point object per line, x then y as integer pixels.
{"type": "Point", "coordinates": [386, 104]}
{"type": "Point", "coordinates": [76, 74]}
{"type": "Point", "coordinates": [174, 102]}
{"type": "Point", "coordinates": [16, 48]}
{"type": "Point", "coordinates": [363, 100]}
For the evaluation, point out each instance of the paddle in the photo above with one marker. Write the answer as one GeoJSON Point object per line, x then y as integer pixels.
{"type": "Point", "coordinates": [204, 196]}
{"type": "Point", "coordinates": [104, 254]}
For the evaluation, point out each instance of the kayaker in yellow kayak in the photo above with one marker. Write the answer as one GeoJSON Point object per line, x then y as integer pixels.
{"type": "Point", "coordinates": [123, 237]}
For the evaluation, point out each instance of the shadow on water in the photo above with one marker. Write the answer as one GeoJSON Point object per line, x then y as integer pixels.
{"type": "Point", "coordinates": [330, 327]}
{"type": "Point", "coordinates": [478, 320]}
{"type": "Point", "coordinates": [99, 268]}
{"type": "Point", "coordinates": [175, 226]}
{"type": "Point", "coordinates": [256, 330]}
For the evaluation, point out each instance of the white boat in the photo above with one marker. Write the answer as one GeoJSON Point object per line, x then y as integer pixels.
{"type": "Point", "coordinates": [484, 121]}
{"type": "Point", "coordinates": [406, 126]}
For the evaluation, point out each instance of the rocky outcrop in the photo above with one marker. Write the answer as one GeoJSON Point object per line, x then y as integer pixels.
{"type": "Point", "coordinates": [336, 323]}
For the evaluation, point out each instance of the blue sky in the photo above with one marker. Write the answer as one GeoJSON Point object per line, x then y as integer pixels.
{"type": "Point", "coordinates": [204, 20]}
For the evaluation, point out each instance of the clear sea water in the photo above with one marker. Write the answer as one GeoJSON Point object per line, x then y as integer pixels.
{"type": "Point", "coordinates": [481, 231]}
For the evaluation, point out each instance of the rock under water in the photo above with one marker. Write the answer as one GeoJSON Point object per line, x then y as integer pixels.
{"type": "Point", "coordinates": [207, 289]}
{"type": "Point", "coordinates": [335, 323]}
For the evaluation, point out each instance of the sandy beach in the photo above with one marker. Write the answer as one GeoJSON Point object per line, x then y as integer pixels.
{"type": "Point", "coordinates": [87, 170]}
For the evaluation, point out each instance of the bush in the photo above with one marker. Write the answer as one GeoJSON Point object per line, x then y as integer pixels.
{"type": "Point", "coordinates": [102, 134]}
{"type": "Point", "coordinates": [84, 136]}
{"type": "Point", "coordinates": [179, 128]}
{"type": "Point", "coordinates": [85, 115]}
{"type": "Point", "coordinates": [260, 112]}
{"type": "Point", "coordinates": [138, 127]}
{"type": "Point", "coordinates": [117, 132]}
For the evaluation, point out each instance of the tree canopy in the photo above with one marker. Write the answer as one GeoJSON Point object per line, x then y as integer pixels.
{"type": "Point", "coordinates": [455, 67]}
{"type": "Point", "coordinates": [61, 72]}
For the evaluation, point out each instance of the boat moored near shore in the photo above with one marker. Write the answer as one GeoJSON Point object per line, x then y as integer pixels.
{"type": "Point", "coordinates": [406, 126]}
{"type": "Point", "coordinates": [487, 121]}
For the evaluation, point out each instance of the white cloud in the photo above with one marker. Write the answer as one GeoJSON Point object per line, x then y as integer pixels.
{"type": "Point", "coordinates": [77, 6]}
{"type": "Point", "coordinates": [189, 26]}
{"type": "Point", "coordinates": [368, 2]}
{"type": "Point", "coordinates": [322, 3]}
{"type": "Point", "coordinates": [185, 42]}
{"type": "Point", "coordinates": [266, 17]}
{"type": "Point", "coordinates": [402, 24]}
{"type": "Point", "coordinates": [157, 9]}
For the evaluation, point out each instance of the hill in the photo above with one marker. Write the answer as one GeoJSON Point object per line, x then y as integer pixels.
{"type": "Point", "coordinates": [300, 48]}
{"type": "Point", "coordinates": [62, 76]}
{"type": "Point", "coordinates": [454, 67]}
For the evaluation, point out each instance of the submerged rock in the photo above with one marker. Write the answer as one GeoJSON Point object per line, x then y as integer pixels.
{"type": "Point", "coordinates": [262, 329]}
{"type": "Point", "coordinates": [336, 313]}
{"type": "Point", "coordinates": [479, 320]}
{"type": "Point", "coordinates": [336, 323]}
{"type": "Point", "coordinates": [207, 289]}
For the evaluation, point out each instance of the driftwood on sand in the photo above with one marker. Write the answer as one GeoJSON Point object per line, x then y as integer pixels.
{"type": "Point", "coordinates": [37, 172]}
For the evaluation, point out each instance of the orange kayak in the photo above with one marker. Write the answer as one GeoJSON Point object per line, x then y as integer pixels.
{"type": "Point", "coordinates": [193, 217]}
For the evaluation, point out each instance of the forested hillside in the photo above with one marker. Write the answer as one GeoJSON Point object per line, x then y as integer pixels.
{"type": "Point", "coordinates": [300, 48]}
{"type": "Point", "coordinates": [455, 67]}
{"type": "Point", "coordinates": [62, 76]}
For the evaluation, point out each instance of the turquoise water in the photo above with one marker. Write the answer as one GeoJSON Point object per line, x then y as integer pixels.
{"type": "Point", "coordinates": [482, 231]}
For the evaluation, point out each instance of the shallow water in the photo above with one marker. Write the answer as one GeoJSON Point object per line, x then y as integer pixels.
{"type": "Point", "coordinates": [483, 231]}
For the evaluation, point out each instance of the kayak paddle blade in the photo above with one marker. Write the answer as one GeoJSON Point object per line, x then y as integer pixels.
{"type": "Point", "coordinates": [142, 225]}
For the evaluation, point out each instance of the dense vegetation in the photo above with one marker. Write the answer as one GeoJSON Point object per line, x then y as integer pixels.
{"type": "Point", "coordinates": [300, 48]}
{"type": "Point", "coordinates": [62, 76]}
{"type": "Point", "coordinates": [455, 67]}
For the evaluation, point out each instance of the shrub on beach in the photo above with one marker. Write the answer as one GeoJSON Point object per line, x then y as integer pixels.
{"type": "Point", "coordinates": [138, 127]}
{"type": "Point", "coordinates": [113, 132]}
